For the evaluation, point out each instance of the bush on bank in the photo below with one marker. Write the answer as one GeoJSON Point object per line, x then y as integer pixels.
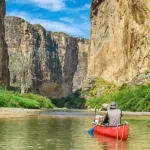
{"type": "Point", "coordinates": [128, 98]}
{"type": "Point", "coordinates": [27, 100]}
{"type": "Point", "coordinates": [135, 98]}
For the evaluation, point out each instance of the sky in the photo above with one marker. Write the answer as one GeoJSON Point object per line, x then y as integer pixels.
{"type": "Point", "coordinates": [69, 16]}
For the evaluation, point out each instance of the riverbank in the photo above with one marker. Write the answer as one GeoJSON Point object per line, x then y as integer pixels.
{"type": "Point", "coordinates": [136, 113]}
{"type": "Point", "coordinates": [21, 112]}
{"type": "Point", "coordinates": [123, 113]}
{"type": "Point", "coordinates": [130, 113]}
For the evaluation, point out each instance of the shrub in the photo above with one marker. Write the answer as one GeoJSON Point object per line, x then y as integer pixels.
{"type": "Point", "coordinates": [27, 100]}
{"type": "Point", "coordinates": [136, 98]}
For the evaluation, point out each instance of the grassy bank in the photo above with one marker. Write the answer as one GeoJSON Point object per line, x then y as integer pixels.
{"type": "Point", "coordinates": [135, 98]}
{"type": "Point", "coordinates": [27, 100]}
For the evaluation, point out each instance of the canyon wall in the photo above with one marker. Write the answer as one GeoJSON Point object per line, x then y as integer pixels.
{"type": "Point", "coordinates": [81, 72]}
{"type": "Point", "coordinates": [31, 54]}
{"type": "Point", "coordinates": [4, 72]}
{"type": "Point", "coordinates": [73, 57]}
{"type": "Point", "coordinates": [120, 39]}
{"type": "Point", "coordinates": [41, 61]}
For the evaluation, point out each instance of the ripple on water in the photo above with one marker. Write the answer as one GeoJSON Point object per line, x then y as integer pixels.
{"type": "Point", "coordinates": [68, 132]}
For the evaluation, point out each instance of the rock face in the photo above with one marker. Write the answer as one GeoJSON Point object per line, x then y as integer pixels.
{"type": "Point", "coordinates": [81, 72]}
{"type": "Point", "coordinates": [31, 54]}
{"type": "Point", "coordinates": [72, 54]}
{"type": "Point", "coordinates": [120, 39]}
{"type": "Point", "coordinates": [4, 73]}
{"type": "Point", "coordinates": [41, 61]}
{"type": "Point", "coordinates": [141, 79]}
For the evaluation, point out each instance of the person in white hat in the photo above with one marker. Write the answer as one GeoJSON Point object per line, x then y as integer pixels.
{"type": "Point", "coordinates": [113, 116]}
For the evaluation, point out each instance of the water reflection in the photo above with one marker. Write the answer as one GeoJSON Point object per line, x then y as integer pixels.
{"type": "Point", "coordinates": [108, 143]}
{"type": "Point", "coordinates": [53, 133]}
{"type": "Point", "coordinates": [67, 130]}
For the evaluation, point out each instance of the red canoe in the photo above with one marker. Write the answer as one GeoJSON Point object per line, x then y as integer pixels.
{"type": "Point", "coordinates": [119, 132]}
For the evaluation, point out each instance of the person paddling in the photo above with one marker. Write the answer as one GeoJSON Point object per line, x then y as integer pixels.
{"type": "Point", "coordinates": [113, 116]}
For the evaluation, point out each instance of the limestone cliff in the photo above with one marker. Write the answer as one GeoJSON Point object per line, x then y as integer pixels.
{"type": "Point", "coordinates": [120, 39]}
{"type": "Point", "coordinates": [4, 73]}
{"type": "Point", "coordinates": [31, 54]}
{"type": "Point", "coordinates": [42, 61]}
{"type": "Point", "coordinates": [72, 54]}
{"type": "Point", "coordinates": [81, 72]}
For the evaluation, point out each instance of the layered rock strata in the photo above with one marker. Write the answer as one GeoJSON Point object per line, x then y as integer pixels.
{"type": "Point", "coordinates": [42, 61]}
{"type": "Point", "coordinates": [4, 72]}
{"type": "Point", "coordinates": [120, 39]}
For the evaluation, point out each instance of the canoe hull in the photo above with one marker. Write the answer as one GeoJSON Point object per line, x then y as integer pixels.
{"type": "Point", "coordinates": [119, 132]}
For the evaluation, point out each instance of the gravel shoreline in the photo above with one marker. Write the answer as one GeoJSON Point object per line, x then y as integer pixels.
{"type": "Point", "coordinates": [22, 112]}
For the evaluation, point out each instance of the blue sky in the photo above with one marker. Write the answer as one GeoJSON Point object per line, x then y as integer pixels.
{"type": "Point", "coordinates": [69, 16]}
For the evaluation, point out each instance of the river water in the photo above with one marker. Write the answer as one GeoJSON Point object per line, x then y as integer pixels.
{"type": "Point", "coordinates": [67, 130]}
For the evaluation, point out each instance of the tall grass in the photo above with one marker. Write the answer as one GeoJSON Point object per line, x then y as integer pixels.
{"type": "Point", "coordinates": [27, 100]}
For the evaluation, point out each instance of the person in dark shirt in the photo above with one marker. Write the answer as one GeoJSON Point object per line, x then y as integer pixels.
{"type": "Point", "coordinates": [113, 116]}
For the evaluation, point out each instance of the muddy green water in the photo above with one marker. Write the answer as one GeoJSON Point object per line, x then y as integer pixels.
{"type": "Point", "coordinates": [67, 130]}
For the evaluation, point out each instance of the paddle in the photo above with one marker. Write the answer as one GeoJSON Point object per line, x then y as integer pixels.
{"type": "Point", "coordinates": [95, 111]}
{"type": "Point", "coordinates": [92, 129]}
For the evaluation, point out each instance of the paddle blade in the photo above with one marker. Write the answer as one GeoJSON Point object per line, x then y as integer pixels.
{"type": "Point", "coordinates": [91, 130]}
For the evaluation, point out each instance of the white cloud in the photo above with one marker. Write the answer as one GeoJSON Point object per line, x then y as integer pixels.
{"type": "Point", "coordinates": [77, 9]}
{"type": "Point", "coordinates": [84, 7]}
{"type": "Point", "coordinates": [54, 26]}
{"type": "Point", "coordinates": [57, 26]}
{"type": "Point", "coordinates": [23, 15]}
{"type": "Point", "coordinates": [66, 19]}
{"type": "Point", "coordinates": [84, 17]}
{"type": "Point", "coordinates": [52, 5]}
{"type": "Point", "coordinates": [87, 6]}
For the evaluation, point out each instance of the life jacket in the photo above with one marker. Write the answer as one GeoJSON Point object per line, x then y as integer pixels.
{"type": "Point", "coordinates": [114, 116]}
{"type": "Point", "coordinates": [98, 119]}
